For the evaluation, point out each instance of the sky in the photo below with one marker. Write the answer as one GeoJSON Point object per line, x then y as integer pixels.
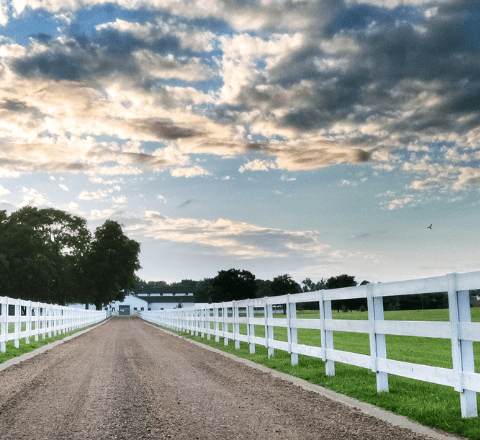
{"type": "Point", "coordinates": [309, 138]}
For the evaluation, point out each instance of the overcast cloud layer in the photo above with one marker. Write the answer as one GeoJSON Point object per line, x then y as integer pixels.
{"type": "Point", "coordinates": [106, 93]}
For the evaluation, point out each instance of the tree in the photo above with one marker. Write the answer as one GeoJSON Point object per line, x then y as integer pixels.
{"type": "Point", "coordinates": [111, 265]}
{"type": "Point", "coordinates": [310, 286]}
{"type": "Point", "coordinates": [345, 281]}
{"type": "Point", "coordinates": [282, 285]}
{"type": "Point", "coordinates": [41, 254]}
{"type": "Point", "coordinates": [203, 291]}
{"type": "Point", "coordinates": [233, 285]}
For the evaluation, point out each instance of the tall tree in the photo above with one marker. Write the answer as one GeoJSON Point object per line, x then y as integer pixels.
{"type": "Point", "coordinates": [282, 285]}
{"type": "Point", "coordinates": [345, 281]}
{"type": "Point", "coordinates": [111, 264]}
{"type": "Point", "coordinates": [232, 285]}
{"type": "Point", "coordinates": [41, 253]}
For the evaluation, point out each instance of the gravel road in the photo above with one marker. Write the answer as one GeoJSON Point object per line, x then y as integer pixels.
{"type": "Point", "coordinates": [129, 380]}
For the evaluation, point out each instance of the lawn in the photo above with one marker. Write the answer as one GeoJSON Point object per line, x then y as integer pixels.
{"type": "Point", "coordinates": [432, 405]}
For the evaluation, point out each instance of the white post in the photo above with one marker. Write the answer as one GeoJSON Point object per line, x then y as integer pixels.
{"type": "Point", "coordinates": [225, 324]}
{"type": "Point", "coordinates": [236, 325]}
{"type": "Point", "coordinates": [216, 317]}
{"type": "Point", "coordinates": [462, 350]}
{"type": "Point", "coordinates": [268, 310]}
{"type": "Point", "coordinates": [4, 325]}
{"type": "Point", "coordinates": [17, 324]}
{"type": "Point", "coordinates": [327, 335]}
{"type": "Point", "coordinates": [291, 309]}
{"type": "Point", "coordinates": [250, 328]}
{"type": "Point", "coordinates": [28, 322]}
{"type": "Point", "coordinates": [209, 327]}
{"type": "Point", "coordinates": [378, 347]}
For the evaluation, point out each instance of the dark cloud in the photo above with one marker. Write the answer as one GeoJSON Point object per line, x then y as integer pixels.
{"type": "Point", "coordinates": [116, 42]}
{"type": "Point", "coordinates": [74, 61]}
{"type": "Point", "coordinates": [391, 65]}
{"type": "Point", "coordinates": [15, 106]}
{"type": "Point", "coordinates": [163, 128]}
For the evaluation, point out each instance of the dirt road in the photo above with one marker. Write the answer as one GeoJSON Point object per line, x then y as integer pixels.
{"type": "Point", "coordinates": [129, 380]}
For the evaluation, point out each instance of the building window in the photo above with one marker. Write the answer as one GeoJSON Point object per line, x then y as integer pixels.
{"type": "Point", "coordinates": [134, 308]}
{"type": "Point", "coordinates": [141, 309]}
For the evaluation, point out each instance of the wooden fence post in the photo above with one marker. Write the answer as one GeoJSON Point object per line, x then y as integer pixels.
{"type": "Point", "coordinates": [236, 324]}
{"type": "Point", "coordinates": [291, 309]}
{"type": "Point", "coordinates": [17, 324]}
{"type": "Point", "coordinates": [4, 324]}
{"type": "Point", "coordinates": [225, 324]}
{"type": "Point", "coordinates": [462, 350]}
{"type": "Point", "coordinates": [378, 347]}
{"type": "Point", "coordinates": [250, 328]}
{"type": "Point", "coordinates": [326, 335]}
{"type": "Point", "coordinates": [28, 322]}
{"type": "Point", "coordinates": [268, 310]}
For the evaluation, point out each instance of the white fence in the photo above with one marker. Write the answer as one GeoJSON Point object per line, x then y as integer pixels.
{"type": "Point", "coordinates": [31, 319]}
{"type": "Point", "coordinates": [208, 318]}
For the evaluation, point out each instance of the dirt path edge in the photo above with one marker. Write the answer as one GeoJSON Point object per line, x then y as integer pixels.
{"type": "Point", "coordinates": [366, 408]}
{"type": "Point", "coordinates": [33, 353]}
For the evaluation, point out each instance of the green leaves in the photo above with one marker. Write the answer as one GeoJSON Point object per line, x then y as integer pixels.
{"type": "Point", "coordinates": [49, 255]}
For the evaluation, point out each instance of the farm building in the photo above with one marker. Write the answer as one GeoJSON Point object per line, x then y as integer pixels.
{"type": "Point", "coordinates": [153, 301]}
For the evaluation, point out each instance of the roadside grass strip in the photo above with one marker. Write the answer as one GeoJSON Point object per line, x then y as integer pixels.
{"type": "Point", "coordinates": [431, 405]}
{"type": "Point", "coordinates": [12, 352]}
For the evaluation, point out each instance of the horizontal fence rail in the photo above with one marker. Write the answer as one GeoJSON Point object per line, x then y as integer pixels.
{"type": "Point", "coordinates": [26, 319]}
{"type": "Point", "coordinates": [224, 319]}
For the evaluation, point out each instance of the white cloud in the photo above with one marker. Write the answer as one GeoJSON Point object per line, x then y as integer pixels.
{"type": "Point", "coordinates": [399, 203]}
{"type": "Point", "coordinates": [189, 172]}
{"type": "Point", "coordinates": [64, 187]}
{"type": "Point", "coordinates": [120, 200]}
{"type": "Point", "coordinates": [232, 238]}
{"type": "Point", "coordinates": [258, 165]}
{"type": "Point", "coordinates": [99, 194]}
{"type": "Point", "coordinates": [3, 191]}
{"type": "Point", "coordinates": [33, 198]}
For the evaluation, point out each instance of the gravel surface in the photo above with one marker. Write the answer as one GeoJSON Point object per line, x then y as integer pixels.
{"type": "Point", "coordinates": [129, 380]}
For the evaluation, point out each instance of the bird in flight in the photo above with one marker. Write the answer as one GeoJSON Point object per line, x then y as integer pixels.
{"type": "Point", "coordinates": [430, 227]}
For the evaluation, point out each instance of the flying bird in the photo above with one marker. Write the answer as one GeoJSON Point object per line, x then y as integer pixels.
{"type": "Point", "coordinates": [430, 227]}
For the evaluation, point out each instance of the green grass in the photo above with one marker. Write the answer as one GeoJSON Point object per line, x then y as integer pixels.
{"type": "Point", "coordinates": [12, 352]}
{"type": "Point", "coordinates": [432, 405]}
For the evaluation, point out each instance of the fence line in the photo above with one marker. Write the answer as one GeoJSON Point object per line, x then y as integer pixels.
{"type": "Point", "coordinates": [40, 319]}
{"type": "Point", "coordinates": [206, 319]}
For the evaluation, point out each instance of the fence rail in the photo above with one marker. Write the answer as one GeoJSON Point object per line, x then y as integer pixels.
{"type": "Point", "coordinates": [224, 319]}
{"type": "Point", "coordinates": [32, 319]}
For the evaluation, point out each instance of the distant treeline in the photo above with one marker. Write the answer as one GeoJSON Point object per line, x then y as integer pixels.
{"type": "Point", "coordinates": [235, 284]}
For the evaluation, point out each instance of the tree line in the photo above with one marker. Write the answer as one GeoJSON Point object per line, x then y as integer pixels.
{"type": "Point", "coordinates": [235, 284]}
{"type": "Point", "coordinates": [49, 255]}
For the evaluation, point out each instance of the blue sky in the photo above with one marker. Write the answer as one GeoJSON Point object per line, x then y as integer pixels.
{"type": "Point", "coordinates": [312, 138]}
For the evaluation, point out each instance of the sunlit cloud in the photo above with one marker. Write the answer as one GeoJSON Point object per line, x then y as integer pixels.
{"type": "Point", "coordinates": [239, 239]}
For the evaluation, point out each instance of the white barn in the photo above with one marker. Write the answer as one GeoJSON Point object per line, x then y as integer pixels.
{"type": "Point", "coordinates": [164, 301]}
{"type": "Point", "coordinates": [131, 303]}
{"type": "Point", "coordinates": [150, 301]}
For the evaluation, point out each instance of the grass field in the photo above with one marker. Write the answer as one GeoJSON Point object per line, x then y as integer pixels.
{"type": "Point", "coordinates": [429, 404]}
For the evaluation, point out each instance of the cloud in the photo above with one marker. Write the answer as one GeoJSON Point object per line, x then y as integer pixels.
{"type": "Point", "coordinates": [99, 194]}
{"type": "Point", "coordinates": [64, 187]}
{"type": "Point", "coordinates": [32, 197]}
{"type": "Point", "coordinates": [194, 171]}
{"type": "Point", "coordinates": [238, 239]}
{"type": "Point", "coordinates": [257, 165]}
{"type": "Point", "coordinates": [3, 191]}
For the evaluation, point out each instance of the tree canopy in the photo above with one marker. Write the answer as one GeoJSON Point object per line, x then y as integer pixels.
{"type": "Point", "coordinates": [49, 255]}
